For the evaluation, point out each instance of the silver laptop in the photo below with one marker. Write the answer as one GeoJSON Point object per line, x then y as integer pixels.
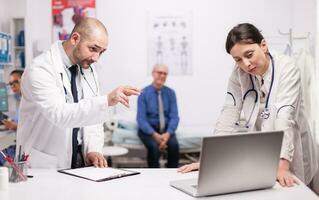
{"type": "Point", "coordinates": [235, 163]}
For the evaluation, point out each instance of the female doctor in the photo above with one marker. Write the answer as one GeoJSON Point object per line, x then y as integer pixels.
{"type": "Point", "coordinates": [266, 88]}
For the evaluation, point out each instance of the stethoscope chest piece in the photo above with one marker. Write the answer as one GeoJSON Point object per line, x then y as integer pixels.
{"type": "Point", "coordinates": [265, 113]}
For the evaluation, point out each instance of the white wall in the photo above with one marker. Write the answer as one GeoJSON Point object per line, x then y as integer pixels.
{"type": "Point", "coordinates": [304, 16]}
{"type": "Point", "coordinates": [11, 9]}
{"type": "Point", "coordinates": [201, 95]}
{"type": "Point", "coordinates": [304, 20]}
{"type": "Point", "coordinates": [38, 26]}
{"type": "Point", "coordinates": [4, 18]}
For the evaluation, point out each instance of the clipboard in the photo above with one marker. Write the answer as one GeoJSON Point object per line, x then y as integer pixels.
{"type": "Point", "coordinates": [98, 174]}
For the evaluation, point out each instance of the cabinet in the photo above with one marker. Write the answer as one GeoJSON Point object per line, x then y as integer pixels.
{"type": "Point", "coordinates": [16, 57]}
{"type": "Point", "coordinates": [5, 53]}
{"type": "Point", "coordinates": [18, 34]}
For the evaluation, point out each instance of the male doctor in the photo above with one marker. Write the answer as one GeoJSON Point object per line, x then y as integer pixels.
{"type": "Point", "coordinates": [61, 111]}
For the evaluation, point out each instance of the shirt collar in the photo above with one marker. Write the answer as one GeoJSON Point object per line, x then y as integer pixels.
{"type": "Point", "coordinates": [155, 90]}
{"type": "Point", "coordinates": [266, 76]}
{"type": "Point", "coordinates": [65, 58]}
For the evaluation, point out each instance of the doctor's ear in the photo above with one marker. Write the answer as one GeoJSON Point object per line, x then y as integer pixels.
{"type": "Point", "coordinates": [75, 38]}
{"type": "Point", "coordinates": [263, 45]}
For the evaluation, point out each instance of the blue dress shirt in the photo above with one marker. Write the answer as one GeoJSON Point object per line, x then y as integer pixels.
{"type": "Point", "coordinates": [148, 113]}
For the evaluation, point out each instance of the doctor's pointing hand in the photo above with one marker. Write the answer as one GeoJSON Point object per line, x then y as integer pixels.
{"type": "Point", "coordinates": [121, 95]}
{"type": "Point", "coordinates": [62, 111]}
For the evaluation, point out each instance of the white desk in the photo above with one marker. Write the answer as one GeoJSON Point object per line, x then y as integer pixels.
{"type": "Point", "coordinates": [150, 184]}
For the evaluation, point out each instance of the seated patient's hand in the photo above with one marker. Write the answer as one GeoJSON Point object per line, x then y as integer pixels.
{"type": "Point", "coordinates": [96, 159]}
{"type": "Point", "coordinates": [162, 146]}
{"type": "Point", "coordinates": [189, 167]}
{"type": "Point", "coordinates": [165, 137]}
{"type": "Point", "coordinates": [157, 137]}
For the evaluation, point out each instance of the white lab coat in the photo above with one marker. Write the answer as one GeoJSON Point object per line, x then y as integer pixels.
{"type": "Point", "coordinates": [298, 146]}
{"type": "Point", "coordinates": [306, 63]}
{"type": "Point", "coordinates": [48, 114]}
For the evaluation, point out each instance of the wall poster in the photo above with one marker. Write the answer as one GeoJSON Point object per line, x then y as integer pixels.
{"type": "Point", "coordinates": [170, 42]}
{"type": "Point", "coordinates": [66, 13]}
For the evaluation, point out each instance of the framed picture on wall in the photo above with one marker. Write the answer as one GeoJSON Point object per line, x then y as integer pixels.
{"type": "Point", "coordinates": [67, 13]}
{"type": "Point", "coordinates": [170, 42]}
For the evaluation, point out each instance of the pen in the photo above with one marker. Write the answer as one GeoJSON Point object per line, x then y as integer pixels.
{"type": "Point", "coordinates": [25, 158]}
{"type": "Point", "coordinates": [19, 155]}
{"type": "Point", "coordinates": [14, 166]}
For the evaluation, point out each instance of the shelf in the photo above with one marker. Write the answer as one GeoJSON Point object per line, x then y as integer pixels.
{"type": "Point", "coordinates": [19, 47]}
{"type": "Point", "coordinates": [1, 63]}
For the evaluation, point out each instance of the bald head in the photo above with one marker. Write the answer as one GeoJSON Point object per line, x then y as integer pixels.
{"type": "Point", "coordinates": [88, 40]}
{"type": "Point", "coordinates": [89, 27]}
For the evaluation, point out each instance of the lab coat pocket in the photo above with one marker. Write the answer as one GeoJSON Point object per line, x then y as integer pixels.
{"type": "Point", "coordinates": [39, 159]}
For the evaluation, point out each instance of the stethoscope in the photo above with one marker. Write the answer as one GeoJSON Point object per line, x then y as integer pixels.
{"type": "Point", "coordinates": [266, 112]}
{"type": "Point", "coordinates": [87, 82]}
{"type": "Point", "coordinates": [95, 93]}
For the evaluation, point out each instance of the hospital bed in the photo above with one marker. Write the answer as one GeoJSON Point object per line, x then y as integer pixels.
{"type": "Point", "coordinates": [189, 138]}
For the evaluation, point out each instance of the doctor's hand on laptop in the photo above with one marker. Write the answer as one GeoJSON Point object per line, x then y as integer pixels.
{"type": "Point", "coordinates": [284, 177]}
{"type": "Point", "coordinates": [189, 167]}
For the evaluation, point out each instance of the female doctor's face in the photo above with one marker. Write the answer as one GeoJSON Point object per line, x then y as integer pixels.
{"type": "Point", "coordinates": [252, 58]}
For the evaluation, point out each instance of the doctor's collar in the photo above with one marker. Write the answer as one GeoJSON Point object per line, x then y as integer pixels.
{"type": "Point", "coordinates": [266, 75]}
{"type": "Point", "coordinates": [65, 58]}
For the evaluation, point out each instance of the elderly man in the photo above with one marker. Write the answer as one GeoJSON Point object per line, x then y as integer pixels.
{"type": "Point", "coordinates": [62, 112]}
{"type": "Point", "coordinates": [157, 118]}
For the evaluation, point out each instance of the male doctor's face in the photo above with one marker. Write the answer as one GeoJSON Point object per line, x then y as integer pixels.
{"type": "Point", "coordinates": [89, 49]}
{"type": "Point", "coordinates": [252, 58]}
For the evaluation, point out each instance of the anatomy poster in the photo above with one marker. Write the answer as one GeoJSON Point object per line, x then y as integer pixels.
{"type": "Point", "coordinates": [66, 13]}
{"type": "Point", "coordinates": [170, 42]}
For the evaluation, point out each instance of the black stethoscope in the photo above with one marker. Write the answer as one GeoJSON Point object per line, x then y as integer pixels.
{"type": "Point", "coordinates": [95, 93]}
{"type": "Point", "coordinates": [87, 82]}
{"type": "Point", "coordinates": [266, 112]}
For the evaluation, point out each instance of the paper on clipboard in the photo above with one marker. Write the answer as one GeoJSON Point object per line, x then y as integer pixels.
{"type": "Point", "coordinates": [98, 174]}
